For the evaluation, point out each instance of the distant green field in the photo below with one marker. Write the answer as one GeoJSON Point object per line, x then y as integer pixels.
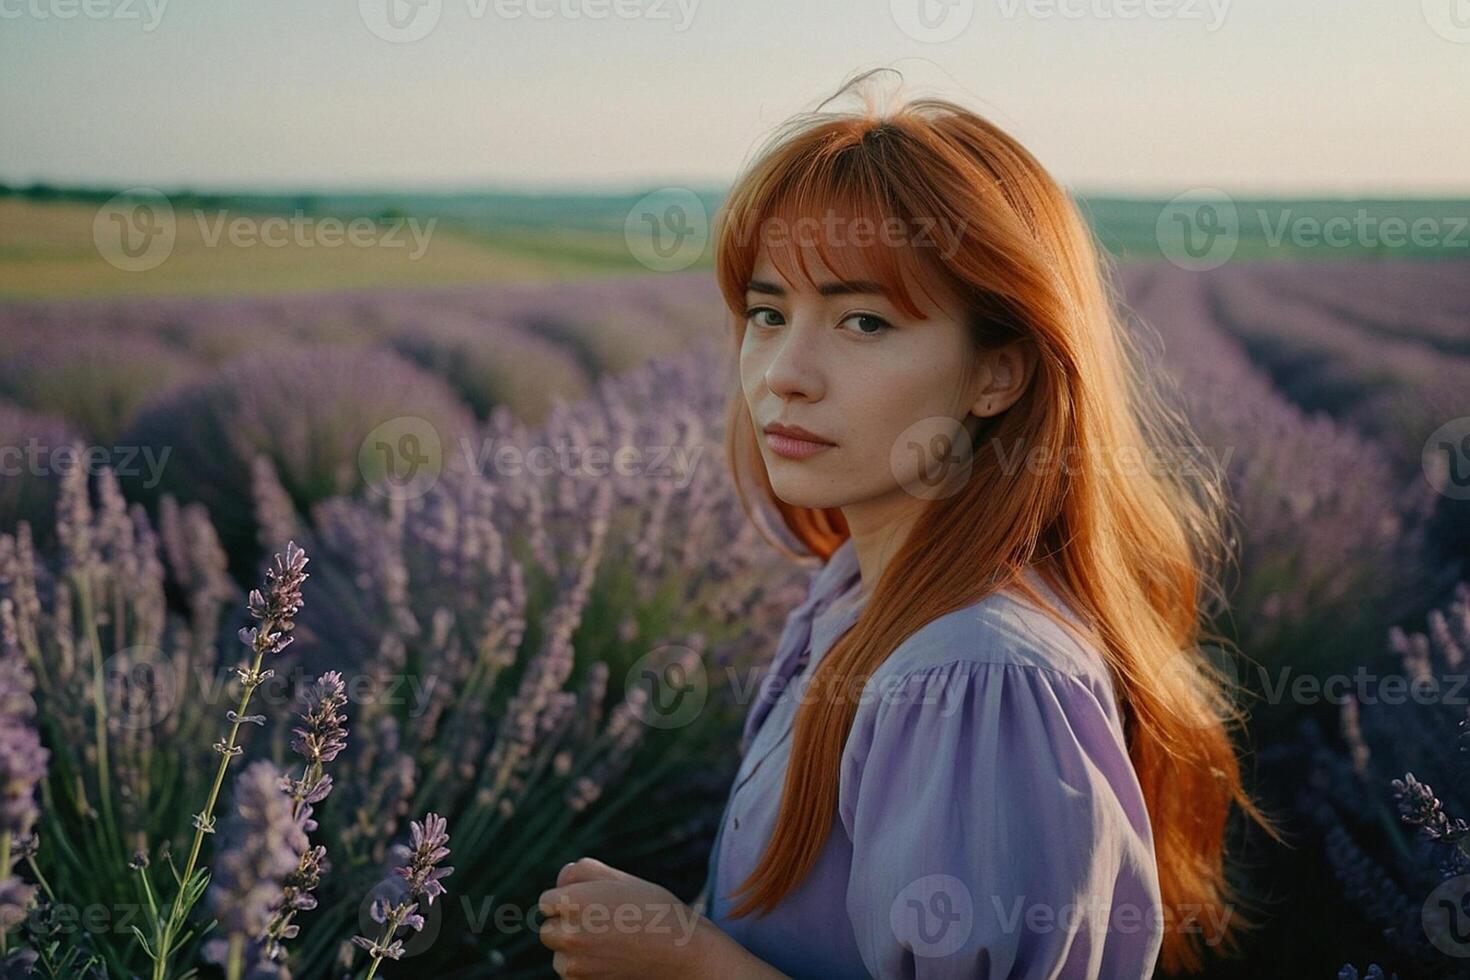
{"type": "Point", "coordinates": [54, 242]}
{"type": "Point", "coordinates": [1274, 228]}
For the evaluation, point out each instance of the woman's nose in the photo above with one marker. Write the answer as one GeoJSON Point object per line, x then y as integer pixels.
{"type": "Point", "coordinates": [795, 370]}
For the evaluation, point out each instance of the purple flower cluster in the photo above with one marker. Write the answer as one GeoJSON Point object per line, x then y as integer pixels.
{"type": "Point", "coordinates": [1351, 794]}
{"type": "Point", "coordinates": [426, 848]}
{"type": "Point", "coordinates": [1419, 806]}
{"type": "Point", "coordinates": [421, 875]}
{"type": "Point", "coordinates": [95, 380]}
{"type": "Point", "coordinates": [319, 739]}
{"type": "Point", "coordinates": [123, 684]}
{"type": "Point", "coordinates": [260, 844]}
{"type": "Point", "coordinates": [278, 605]}
{"type": "Point", "coordinates": [322, 735]}
{"type": "Point", "coordinates": [22, 768]}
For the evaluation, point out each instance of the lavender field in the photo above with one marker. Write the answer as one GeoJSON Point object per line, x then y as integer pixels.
{"type": "Point", "coordinates": [297, 639]}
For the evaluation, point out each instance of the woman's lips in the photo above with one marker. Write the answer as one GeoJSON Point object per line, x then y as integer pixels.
{"type": "Point", "coordinates": [792, 447]}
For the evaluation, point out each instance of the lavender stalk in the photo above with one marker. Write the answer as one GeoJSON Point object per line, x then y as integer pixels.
{"type": "Point", "coordinates": [422, 875]}
{"type": "Point", "coordinates": [275, 609]}
{"type": "Point", "coordinates": [259, 848]}
{"type": "Point", "coordinates": [22, 767]}
{"type": "Point", "coordinates": [321, 738]}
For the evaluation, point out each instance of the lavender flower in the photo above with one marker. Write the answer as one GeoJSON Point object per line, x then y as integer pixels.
{"type": "Point", "coordinates": [93, 377]}
{"type": "Point", "coordinates": [279, 604]}
{"type": "Point", "coordinates": [427, 840]}
{"type": "Point", "coordinates": [275, 609]}
{"type": "Point", "coordinates": [260, 846]}
{"type": "Point", "coordinates": [422, 877]}
{"type": "Point", "coordinates": [1324, 560]}
{"type": "Point", "coordinates": [1396, 368]}
{"type": "Point", "coordinates": [22, 767]}
{"type": "Point", "coordinates": [1420, 807]}
{"type": "Point", "coordinates": [321, 738]}
{"type": "Point", "coordinates": [489, 362]}
{"type": "Point", "coordinates": [323, 734]}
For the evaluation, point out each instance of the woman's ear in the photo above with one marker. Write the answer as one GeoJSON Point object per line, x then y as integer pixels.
{"type": "Point", "coordinates": [1002, 377]}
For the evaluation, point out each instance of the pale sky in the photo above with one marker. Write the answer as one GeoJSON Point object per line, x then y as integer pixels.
{"type": "Point", "coordinates": [1124, 96]}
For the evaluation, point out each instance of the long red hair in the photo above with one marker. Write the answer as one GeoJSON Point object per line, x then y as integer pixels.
{"type": "Point", "coordinates": [1135, 550]}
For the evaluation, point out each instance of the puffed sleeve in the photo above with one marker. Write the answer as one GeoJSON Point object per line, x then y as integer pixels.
{"type": "Point", "coordinates": [998, 829]}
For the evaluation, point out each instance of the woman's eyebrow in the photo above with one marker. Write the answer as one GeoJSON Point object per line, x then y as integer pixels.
{"type": "Point", "coordinates": [860, 286]}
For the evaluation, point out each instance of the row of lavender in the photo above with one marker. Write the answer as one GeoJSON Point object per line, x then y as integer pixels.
{"type": "Point", "coordinates": [1382, 348]}
{"type": "Point", "coordinates": [213, 382]}
{"type": "Point", "coordinates": [1338, 374]}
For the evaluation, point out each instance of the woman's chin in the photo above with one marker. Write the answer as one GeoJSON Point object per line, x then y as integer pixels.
{"type": "Point", "coordinates": [801, 493]}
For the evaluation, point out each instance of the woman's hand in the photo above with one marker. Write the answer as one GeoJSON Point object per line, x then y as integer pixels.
{"type": "Point", "coordinates": [606, 923]}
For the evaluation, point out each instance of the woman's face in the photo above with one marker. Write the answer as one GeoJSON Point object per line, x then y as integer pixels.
{"type": "Point", "coordinates": [885, 393]}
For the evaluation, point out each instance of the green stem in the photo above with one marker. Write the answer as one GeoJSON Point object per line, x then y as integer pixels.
{"type": "Point", "coordinates": [389, 930]}
{"type": "Point", "coordinates": [160, 964]}
{"type": "Point", "coordinates": [99, 701]}
{"type": "Point", "coordinates": [237, 955]}
{"type": "Point", "coordinates": [41, 879]}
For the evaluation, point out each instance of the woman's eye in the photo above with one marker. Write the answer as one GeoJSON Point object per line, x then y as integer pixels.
{"type": "Point", "coordinates": [868, 324]}
{"type": "Point", "coordinates": [754, 316]}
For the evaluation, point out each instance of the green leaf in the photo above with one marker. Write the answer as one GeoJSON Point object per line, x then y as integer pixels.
{"type": "Point", "coordinates": [143, 941]}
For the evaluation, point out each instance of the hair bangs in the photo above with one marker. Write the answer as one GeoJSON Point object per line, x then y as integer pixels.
{"type": "Point", "coordinates": [833, 208]}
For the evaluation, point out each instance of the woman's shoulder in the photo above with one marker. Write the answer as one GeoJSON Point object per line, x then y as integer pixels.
{"type": "Point", "coordinates": [1006, 628]}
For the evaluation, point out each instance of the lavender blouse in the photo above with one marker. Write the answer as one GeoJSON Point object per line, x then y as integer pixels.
{"type": "Point", "coordinates": [989, 822]}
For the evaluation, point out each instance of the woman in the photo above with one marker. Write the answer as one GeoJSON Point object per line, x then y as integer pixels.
{"type": "Point", "coordinates": [988, 745]}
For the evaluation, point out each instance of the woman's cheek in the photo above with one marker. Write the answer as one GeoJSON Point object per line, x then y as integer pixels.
{"type": "Point", "coordinates": [871, 461]}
